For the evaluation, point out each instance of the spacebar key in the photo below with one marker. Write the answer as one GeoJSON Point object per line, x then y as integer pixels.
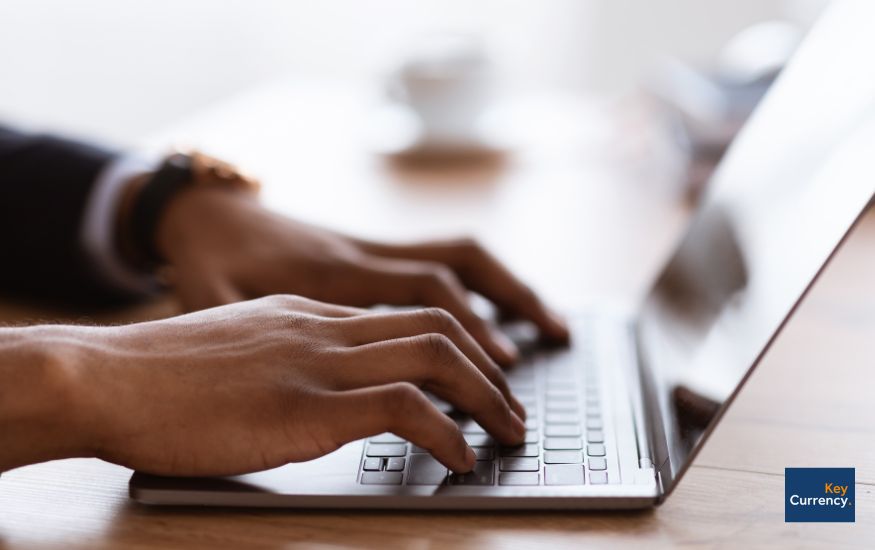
{"type": "Point", "coordinates": [563, 474]}
{"type": "Point", "coordinates": [425, 470]}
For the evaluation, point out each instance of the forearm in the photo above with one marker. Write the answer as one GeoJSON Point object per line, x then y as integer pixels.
{"type": "Point", "coordinates": [45, 187]}
{"type": "Point", "coordinates": [42, 416]}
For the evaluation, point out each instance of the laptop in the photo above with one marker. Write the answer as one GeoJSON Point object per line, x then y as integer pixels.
{"type": "Point", "coordinates": [615, 420]}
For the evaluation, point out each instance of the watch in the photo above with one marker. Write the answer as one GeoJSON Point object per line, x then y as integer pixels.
{"type": "Point", "coordinates": [179, 171]}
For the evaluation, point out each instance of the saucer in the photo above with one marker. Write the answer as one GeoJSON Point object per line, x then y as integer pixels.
{"type": "Point", "coordinates": [397, 132]}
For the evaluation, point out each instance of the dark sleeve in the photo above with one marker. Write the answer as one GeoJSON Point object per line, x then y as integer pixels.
{"type": "Point", "coordinates": [45, 182]}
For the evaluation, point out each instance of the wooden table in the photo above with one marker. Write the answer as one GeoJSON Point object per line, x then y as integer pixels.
{"type": "Point", "coordinates": [583, 214]}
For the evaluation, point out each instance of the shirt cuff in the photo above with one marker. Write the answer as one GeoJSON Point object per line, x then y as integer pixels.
{"type": "Point", "coordinates": [98, 224]}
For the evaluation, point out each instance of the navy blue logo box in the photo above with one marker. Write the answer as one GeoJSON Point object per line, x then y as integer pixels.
{"type": "Point", "coordinates": [819, 495]}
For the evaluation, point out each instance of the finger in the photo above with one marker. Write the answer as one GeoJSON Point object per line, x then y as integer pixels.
{"type": "Point", "coordinates": [433, 362]}
{"type": "Point", "coordinates": [378, 327]}
{"type": "Point", "coordinates": [480, 271]}
{"type": "Point", "coordinates": [404, 282]}
{"type": "Point", "coordinates": [404, 410]}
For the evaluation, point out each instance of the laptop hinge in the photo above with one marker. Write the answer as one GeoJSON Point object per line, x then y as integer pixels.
{"type": "Point", "coordinates": [647, 473]}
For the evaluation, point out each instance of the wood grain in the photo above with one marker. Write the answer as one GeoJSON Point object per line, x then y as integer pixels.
{"type": "Point", "coordinates": [578, 222]}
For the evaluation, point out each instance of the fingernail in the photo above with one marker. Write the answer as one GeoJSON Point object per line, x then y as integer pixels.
{"type": "Point", "coordinates": [508, 349]}
{"type": "Point", "coordinates": [470, 458]}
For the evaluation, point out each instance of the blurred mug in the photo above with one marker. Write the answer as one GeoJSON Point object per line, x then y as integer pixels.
{"type": "Point", "coordinates": [447, 84]}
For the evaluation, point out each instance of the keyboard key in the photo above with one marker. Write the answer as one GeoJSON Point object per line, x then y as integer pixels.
{"type": "Point", "coordinates": [387, 438]}
{"type": "Point", "coordinates": [532, 436]}
{"type": "Point", "coordinates": [522, 450]}
{"type": "Point", "coordinates": [381, 478]}
{"type": "Point", "coordinates": [374, 464]}
{"type": "Point", "coordinates": [595, 436]}
{"type": "Point", "coordinates": [470, 427]}
{"type": "Point", "coordinates": [598, 464]}
{"type": "Point", "coordinates": [561, 396]}
{"type": "Point", "coordinates": [593, 411]}
{"type": "Point", "coordinates": [531, 423]}
{"type": "Point", "coordinates": [562, 408]}
{"type": "Point", "coordinates": [562, 418]}
{"type": "Point", "coordinates": [425, 470]}
{"type": "Point", "coordinates": [524, 392]}
{"type": "Point", "coordinates": [484, 453]}
{"type": "Point", "coordinates": [563, 430]}
{"type": "Point", "coordinates": [595, 450]}
{"type": "Point", "coordinates": [563, 474]}
{"type": "Point", "coordinates": [562, 443]}
{"type": "Point", "coordinates": [479, 440]}
{"type": "Point", "coordinates": [598, 478]}
{"type": "Point", "coordinates": [520, 465]}
{"type": "Point", "coordinates": [594, 423]}
{"type": "Point", "coordinates": [526, 400]}
{"type": "Point", "coordinates": [563, 457]}
{"type": "Point", "coordinates": [482, 474]}
{"type": "Point", "coordinates": [386, 449]}
{"type": "Point", "coordinates": [519, 478]}
{"type": "Point", "coordinates": [395, 464]}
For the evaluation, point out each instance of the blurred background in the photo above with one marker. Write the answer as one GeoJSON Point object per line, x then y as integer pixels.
{"type": "Point", "coordinates": [124, 69]}
{"type": "Point", "coordinates": [573, 118]}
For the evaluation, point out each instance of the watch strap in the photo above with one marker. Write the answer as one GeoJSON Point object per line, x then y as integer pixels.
{"type": "Point", "coordinates": [174, 174]}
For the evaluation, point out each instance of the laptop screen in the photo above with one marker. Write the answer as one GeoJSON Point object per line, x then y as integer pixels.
{"type": "Point", "coordinates": [785, 195]}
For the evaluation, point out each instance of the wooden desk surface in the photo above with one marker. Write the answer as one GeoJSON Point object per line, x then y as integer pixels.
{"type": "Point", "coordinates": [579, 220]}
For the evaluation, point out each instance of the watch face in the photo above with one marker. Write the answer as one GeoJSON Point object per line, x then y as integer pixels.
{"type": "Point", "coordinates": [212, 171]}
{"type": "Point", "coordinates": [179, 161]}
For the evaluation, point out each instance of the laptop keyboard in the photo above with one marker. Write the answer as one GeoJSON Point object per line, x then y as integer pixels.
{"type": "Point", "coordinates": [564, 445]}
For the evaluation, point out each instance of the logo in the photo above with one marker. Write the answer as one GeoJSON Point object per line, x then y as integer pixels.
{"type": "Point", "coordinates": [819, 495]}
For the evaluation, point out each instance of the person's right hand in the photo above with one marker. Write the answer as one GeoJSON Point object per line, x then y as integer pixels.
{"type": "Point", "coordinates": [258, 384]}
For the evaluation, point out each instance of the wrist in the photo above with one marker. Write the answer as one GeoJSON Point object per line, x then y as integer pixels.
{"type": "Point", "coordinates": [189, 215]}
{"type": "Point", "coordinates": [151, 197]}
{"type": "Point", "coordinates": [43, 402]}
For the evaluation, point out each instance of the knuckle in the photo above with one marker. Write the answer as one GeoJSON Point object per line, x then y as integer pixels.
{"type": "Point", "coordinates": [438, 275]}
{"type": "Point", "coordinates": [437, 282]}
{"type": "Point", "coordinates": [294, 321]}
{"type": "Point", "coordinates": [470, 246]}
{"type": "Point", "coordinates": [438, 319]}
{"type": "Point", "coordinates": [406, 401]}
{"type": "Point", "coordinates": [497, 400]}
{"type": "Point", "coordinates": [285, 301]}
{"type": "Point", "coordinates": [496, 376]}
{"type": "Point", "coordinates": [436, 347]}
{"type": "Point", "coordinates": [526, 295]}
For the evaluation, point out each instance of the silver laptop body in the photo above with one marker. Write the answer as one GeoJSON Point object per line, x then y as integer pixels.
{"type": "Point", "coordinates": [615, 421]}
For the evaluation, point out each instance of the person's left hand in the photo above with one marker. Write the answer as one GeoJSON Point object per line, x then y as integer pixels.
{"type": "Point", "coordinates": [224, 247]}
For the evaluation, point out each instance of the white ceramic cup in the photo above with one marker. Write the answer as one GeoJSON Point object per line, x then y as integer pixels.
{"type": "Point", "coordinates": [447, 84]}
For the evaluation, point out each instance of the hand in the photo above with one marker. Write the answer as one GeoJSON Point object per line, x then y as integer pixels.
{"type": "Point", "coordinates": [258, 384]}
{"type": "Point", "coordinates": [225, 247]}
